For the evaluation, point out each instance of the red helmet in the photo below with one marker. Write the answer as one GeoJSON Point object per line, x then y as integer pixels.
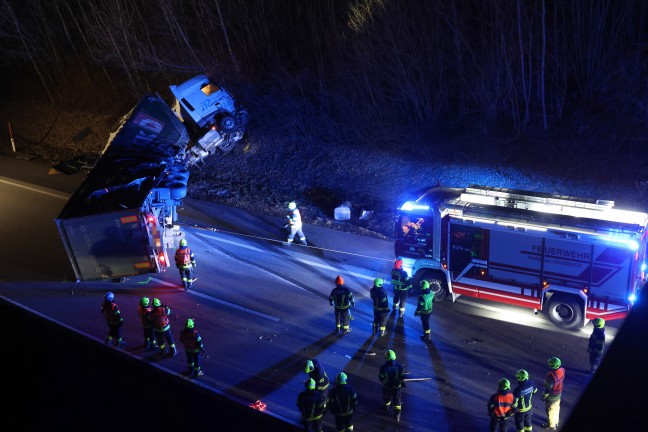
{"type": "Point", "coordinates": [339, 280]}
{"type": "Point", "coordinates": [398, 264]}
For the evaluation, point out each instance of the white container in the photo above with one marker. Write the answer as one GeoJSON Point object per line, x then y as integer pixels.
{"type": "Point", "coordinates": [342, 213]}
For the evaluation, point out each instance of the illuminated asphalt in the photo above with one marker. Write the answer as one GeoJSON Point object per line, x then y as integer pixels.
{"type": "Point", "coordinates": [262, 308]}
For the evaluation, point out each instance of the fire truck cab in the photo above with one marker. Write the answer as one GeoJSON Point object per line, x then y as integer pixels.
{"type": "Point", "coordinates": [575, 258]}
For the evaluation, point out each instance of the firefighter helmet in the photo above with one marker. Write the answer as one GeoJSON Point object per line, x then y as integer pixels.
{"type": "Point", "coordinates": [425, 285]}
{"type": "Point", "coordinates": [309, 366]}
{"type": "Point", "coordinates": [189, 323]}
{"type": "Point", "coordinates": [598, 322]}
{"type": "Point", "coordinates": [522, 375]}
{"type": "Point", "coordinates": [183, 242]}
{"type": "Point", "coordinates": [144, 301]}
{"type": "Point", "coordinates": [398, 264]}
{"type": "Point", "coordinates": [378, 282]}
{"type": "Point", "coordinates": [339, 280]}
{"type": "Point", "coordinates": [390, 355]}
{"type": "Point", "coordinates": [109, 296]}
{"type": "Point", "coordinates": [310, 384]}
{"type": "Point", "coordinates": [292, 205]}
{"type": "Point", "coordinates": [504, 384]}
{"type": "Point", "coordinates": [341, 378]}
{"type": "Point", "coordinates": [157, 302]}
{"type": "Point", "coordinates": [554, 362]}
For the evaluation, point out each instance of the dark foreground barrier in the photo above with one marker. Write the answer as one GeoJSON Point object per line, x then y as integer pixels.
{"type": "Point", "coordinates": [53, 379]}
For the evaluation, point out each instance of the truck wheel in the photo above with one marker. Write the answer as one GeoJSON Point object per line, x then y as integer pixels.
{"type": "Point", "coordinates": [437, 286]}
{"type": "Point", "coordinates": [227, 124]}
{"type": "Point", "coordinates": [227, 145]}
{"type": "Point", "coordinates": [564, 311]}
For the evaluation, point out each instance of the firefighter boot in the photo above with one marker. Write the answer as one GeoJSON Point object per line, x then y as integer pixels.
{"type": "Point", "coordinates": [375, 329]}
{"type": "Point", "coordinates": [426, 337]}
{"type": "Point", "coordinates": [383, 332]}
{"type": "Point", "coordinates": [174, 351]}
{"type": "Point", "coordinates": [397, 413]}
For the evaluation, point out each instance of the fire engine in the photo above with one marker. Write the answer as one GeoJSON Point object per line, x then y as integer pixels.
{"type": "Point", "coordinates": [574, 258]}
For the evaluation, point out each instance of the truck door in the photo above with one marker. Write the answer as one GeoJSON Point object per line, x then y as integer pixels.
{"type": "Point", "coordinates": [468, 251]}
{"type": "Point", "coordinates": [414, 236]}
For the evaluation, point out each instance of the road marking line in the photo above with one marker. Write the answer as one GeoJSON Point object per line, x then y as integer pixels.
{"type": "Point", "coordinates": [33, 189]}
{"type": "Point", "coordinates": [223, 302]}
{"type": "Point", "coordinates": [328, 267]}
{"type": "Point", "coordinates": [234, 243]}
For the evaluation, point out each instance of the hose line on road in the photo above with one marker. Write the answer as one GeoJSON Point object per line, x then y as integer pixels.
{"type": "Point", "coordinates": [212, 229]}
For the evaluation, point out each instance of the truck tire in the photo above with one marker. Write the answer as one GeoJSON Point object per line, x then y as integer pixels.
{"type": "Point", "coordinates": [227, 124]}
{"type": "Point", "coordinates": [437, 286]}
{"type": "Point", "coordinates": [565, 311]}
{"type": "Point", "coordinates": [227, 145]}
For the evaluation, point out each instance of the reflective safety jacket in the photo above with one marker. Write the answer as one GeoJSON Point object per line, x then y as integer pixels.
{"type": "Point", "coordinates": [596, 343]}
{"type": "Point", "coordinates": [425, 302]}
{"type": "Point", "coordinates": [319, 376]}
{"type": "Point", "coordinates": [160, 317]}
{"type": "Point", "coordinates": [191, 340]}
{"type": "Point", "coordinates": [111, 312]}
{"type": "Point", "coordinates": [523, 394]}
{"type": "Point", "coordinates": [294, 219]}
{"type": "Point", "coordinates": [500, 404]}
{"type": "Point", "coordinates": [400, 280]}
{"type": "Point", "coordinates": [341, 297]}
{"type": "Point", "coordinates": [391, 375]}
{"type": "Point", "coordinates": [379, 298]}
{"type": "Point", "coordinates": [342, 400]}
{"type": "Point", "coordinates": [144, 314]}
{"type": "Point", "coordinates": [311, 404]}
{"type": "Point", "coordinates": [184, 258]}
{"type": "Point", "coordinates": [554, 384]}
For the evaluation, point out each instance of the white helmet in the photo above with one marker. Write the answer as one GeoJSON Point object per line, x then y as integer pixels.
{"type": "Point", "coordinates": [292, 205]}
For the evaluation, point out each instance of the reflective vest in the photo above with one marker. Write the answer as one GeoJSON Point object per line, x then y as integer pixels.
{"type": "Point", "coordinates": [294, 219]}
{"type": "Point", "coordinates": [111, 313]}
{"type": "Point", "coordinates": [391, 375]}
{"type": "Point", "coordinates": [311, 404]}
{"type": "Point", "coordinates": [319, 376]}
{"type": "Point", "coordinates": [144, 316]}
{"type": "Point", "coordinates": [191, 340]}
{"type": "Point", "coordinates": [500, 403]}
{"type": "Point", "coordinates": [425, 303]}
{"type": "Point", "coordinates": [554, 383]}
{"type": "Point", "coordinates": [183, 257]}
{"type": "Point", "coordinates": [160, 317]}
{"type": "Point", "coordinates": [400, 280]}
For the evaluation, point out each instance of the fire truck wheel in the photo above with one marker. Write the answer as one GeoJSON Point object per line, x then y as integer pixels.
{"type": "Point", "coordinates": [437, 286]}
{"type": "Point", "coordinates": [564, 311]}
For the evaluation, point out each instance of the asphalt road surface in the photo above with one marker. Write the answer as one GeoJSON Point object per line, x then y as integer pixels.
{"type": "Point", "coordinates": [262, 309]}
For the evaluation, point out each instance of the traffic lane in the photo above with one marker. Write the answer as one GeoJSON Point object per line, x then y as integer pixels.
{"type": "Point", "coordinates": [33, 249]}
{"type": "Point", "coordinates": [460, 397]}
{"type": "Point", "coordinates": [37, 172]}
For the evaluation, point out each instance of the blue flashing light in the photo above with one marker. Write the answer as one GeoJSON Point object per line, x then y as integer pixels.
{"type": "Point", "coordinates": [633, 245]}
{"type": "Point", "coordinates": [643, 266]}
{"type": "Point", "coordinates": [632, 298]}
{"type": "Point", "coordinates": [410, 205]}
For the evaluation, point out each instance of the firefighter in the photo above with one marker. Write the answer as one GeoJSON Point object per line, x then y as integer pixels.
{"type": "Point", "coordinates": [315, 371]}
{"type": "Point", "coordinates": [424, 309]}
{"type": "Point", "coordinates": [596, 343]}
{"type": "Point", "coordinates": [144, 311]}
{"type": "Point", "coordinates": [392, 377]}
{"type": "Point", "coordinates": [312, 406]}
{"type": "Point", "coordinates": [342, 401]}
{"type": "Point", "coordinates": [342, 299]}
{"type": "Point", "coordinates": [160, 317]}
{"type": "Point", "coordinates": [111, 312]}
{"type": "Point", "coordinates": [402, 283]}
{"type": "Point", "coordinates": [553, 392]}
{"type": "Point", "coordinates": [295, 224]}
{"type": "Point", "coordinates": [193, 347]}
{"type": "Point", "coordinates": [522, 401]}
{"type": "Point", "coordinates": [380, 306]}
{"type": "Point", "coordinates": [186, 263]}
{"type": "Point", "coordinates": [500, 406]}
